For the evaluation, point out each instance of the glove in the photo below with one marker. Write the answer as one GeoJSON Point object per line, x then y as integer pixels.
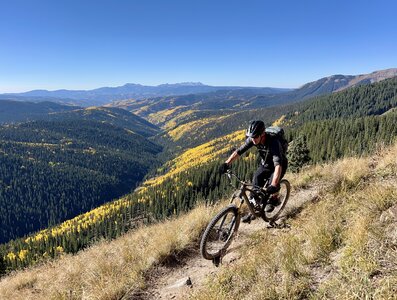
{"type": "Point", "coordinates": [223, 168]}
{"type": "Point", "coordinates": [271, 189]}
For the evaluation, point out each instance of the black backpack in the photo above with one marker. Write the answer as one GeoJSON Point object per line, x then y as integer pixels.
{"type": "Point", "coordinates": [278, 132]}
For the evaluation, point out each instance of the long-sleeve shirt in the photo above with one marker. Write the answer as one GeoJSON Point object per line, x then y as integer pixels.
{"type": "Point", "coordinates": [271, 152]}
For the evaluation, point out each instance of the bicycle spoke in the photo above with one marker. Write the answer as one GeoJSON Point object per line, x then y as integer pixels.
{"type": "Point", "coordinates": [220, 233]}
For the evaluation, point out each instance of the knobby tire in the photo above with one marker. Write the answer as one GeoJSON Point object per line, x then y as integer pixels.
{"type": "Point", "coordinates": [272, 216]}
{"type": "Point", "coordinates": [227, 230]}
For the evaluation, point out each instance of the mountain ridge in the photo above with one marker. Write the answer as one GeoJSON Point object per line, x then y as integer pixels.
{"type": "Point", "coordinates": [238, 99]}
{"type": "Point", "coordinates": [104, 95]}
{"type": "Point", "coordinates": [260, 95]}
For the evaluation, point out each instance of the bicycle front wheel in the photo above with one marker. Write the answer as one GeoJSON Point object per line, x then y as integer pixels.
{"type": "Point", "coordinates": [219, 233]}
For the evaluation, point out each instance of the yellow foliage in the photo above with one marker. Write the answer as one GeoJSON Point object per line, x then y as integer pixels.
{"type": "Point", "coordinates": [164, 115]}
{"type": "Point", "coordinates": [11, 256]}
{"type": "Point", "coordinates": [142, 110]}
{"type": "Point", "coordinates": [279, 121]}
{"type": "Point", "coordinates": [194, 157]}
{"type": "Point", "coordinates": [22, 254]}
{"type": "Point", "coordinates": [174, 121]}
{"type": "Point", "coordinates": [179, 131]}
{"type": "Point", "coordinates": [77, 224]}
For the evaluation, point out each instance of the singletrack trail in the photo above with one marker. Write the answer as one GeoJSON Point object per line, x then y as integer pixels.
{"type": "Point", "coordinates": [177, 278]}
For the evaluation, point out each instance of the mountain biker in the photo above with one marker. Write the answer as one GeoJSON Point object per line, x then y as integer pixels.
{"type": "Point", "coordinates": [273, 164]}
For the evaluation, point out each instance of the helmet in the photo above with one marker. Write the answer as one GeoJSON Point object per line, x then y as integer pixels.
{"type": "Point", "coordinates": [255, 129]}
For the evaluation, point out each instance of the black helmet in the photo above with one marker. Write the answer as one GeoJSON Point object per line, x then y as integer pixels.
{"type": "Point", "coordinates": [255, 129]}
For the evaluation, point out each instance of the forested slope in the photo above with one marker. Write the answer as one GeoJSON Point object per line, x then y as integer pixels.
{"type": "Point", "coordinates": [51, 171]}
{"type": "Point", "coordinates": [21, 111]}
{"type": "Point", "coordinates": [366, 100]}
{"type": "Point", "coordinates": [190, 178]}
{"type": "Point", "coordinates": [351, 122]}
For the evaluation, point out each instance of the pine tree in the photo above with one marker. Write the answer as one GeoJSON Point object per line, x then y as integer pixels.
{"type": "Point", "coordinates": [298, 154]}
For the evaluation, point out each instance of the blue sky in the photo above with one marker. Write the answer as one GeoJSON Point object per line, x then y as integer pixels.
{"type": "Point", "coordinates": [88, 44]}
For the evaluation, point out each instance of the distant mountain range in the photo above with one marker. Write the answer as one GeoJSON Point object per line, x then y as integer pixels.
{"type": "Point", "coordinates": [243, 98]}
{"type": "Point", "coordinates": [135, 96]}
{"type": "Point", "coordinates": [105, 95]}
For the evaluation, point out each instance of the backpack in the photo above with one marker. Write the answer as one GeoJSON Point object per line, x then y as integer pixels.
{"type": "Point", "coordinates": [278, 133]}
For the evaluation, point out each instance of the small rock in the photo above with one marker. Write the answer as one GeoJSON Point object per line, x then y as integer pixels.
{"type": "Point", "coordinates": [186, 281]}
{"type": "Point", "coordinates": [389, 215]}
{"type": "Point", "coordinates": [391, 233]}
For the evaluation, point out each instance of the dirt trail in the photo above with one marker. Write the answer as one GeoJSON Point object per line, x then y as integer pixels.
{"type": "Point", "coordinates": [177, 279]}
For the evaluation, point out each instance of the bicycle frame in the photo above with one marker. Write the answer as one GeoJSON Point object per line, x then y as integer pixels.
{"type": "Point", "coordinates": [242, 193]}
{"type": "Point", "coordinates": [223, 226]}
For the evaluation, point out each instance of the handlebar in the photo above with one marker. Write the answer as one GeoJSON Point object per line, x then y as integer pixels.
{"type": "Point", "coordinates": [231, 174]}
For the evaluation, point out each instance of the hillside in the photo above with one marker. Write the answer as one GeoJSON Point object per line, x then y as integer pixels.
{"type": "Point", "coordinates": [109, 115]}
{"type": "Point", "coordinates": [179, 185]}
{"type": "Point", "coordinates": [189, 131]}
{"type": "Point", "coordinates": [245, 99]}
{"type": "Point", "coordinates": [367, 100]}
{"type": "Point", "coordinates": [348, 111]}
{"type": "Point", "coordinates": [21, 111]}
{"type": "Point", "coordinates": [344, 254]}
{"type": "Point", "coordinates": [356, 118]}
{"type": "Point", "coordinates": [51, 171]}
{"type": "Point", "coordinates": [376, 76]}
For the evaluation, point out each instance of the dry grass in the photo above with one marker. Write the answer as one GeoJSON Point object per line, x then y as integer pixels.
{"type": "Point", "coordinates": [336, 249]}
{"type": "Point", "coordinates": [110, 269]}
{"type": "Point", "coordinates": [339, 176]}
{"type": "Point", "coordinates": [387, 164]}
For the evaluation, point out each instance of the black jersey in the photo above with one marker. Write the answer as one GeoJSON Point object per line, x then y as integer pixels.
{"type": "Point", "coordinates": [271, 152]}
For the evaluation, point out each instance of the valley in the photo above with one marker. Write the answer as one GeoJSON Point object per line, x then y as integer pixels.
{"type": "Point", "coordinates": [74, 176]}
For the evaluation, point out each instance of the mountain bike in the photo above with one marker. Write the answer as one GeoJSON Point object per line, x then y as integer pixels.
{"type": "Point", "coordinates": [220, 231]}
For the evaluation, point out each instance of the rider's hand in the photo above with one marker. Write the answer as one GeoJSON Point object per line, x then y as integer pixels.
{"type": "Point", "coordinates": [271, 189]}
{"type": "Point", "coordinates": [223, 168]}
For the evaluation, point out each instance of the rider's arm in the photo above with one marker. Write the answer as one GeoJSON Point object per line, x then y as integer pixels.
{"type": "Point", "coordinates": [236, 154]}
{"type": "Point", "coordinates": [232, 157]}
{"type": "Point", "coordinates": [277, 158]}
{"type": "Point", "coordinates": [276, 176]}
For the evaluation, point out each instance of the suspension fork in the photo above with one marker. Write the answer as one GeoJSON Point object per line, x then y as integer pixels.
{"type": "Point", "coordinates": [243, 195]}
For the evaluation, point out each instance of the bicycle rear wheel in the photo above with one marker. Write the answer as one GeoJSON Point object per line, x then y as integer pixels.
{"type": "Point", "coordinates": [219, 233]}
{"type": "Point", "coordinates": [283, 194]}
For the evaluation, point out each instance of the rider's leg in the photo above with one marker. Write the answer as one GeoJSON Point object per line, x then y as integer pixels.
{"type": "Point", "coordinates": [258, 179]}
{"type": "Point", "coordinates": [274, 199]}
{"type": "Point", "coordinates": [261, 175]}
{"type": "Point", "coordinates": [284, 167]}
